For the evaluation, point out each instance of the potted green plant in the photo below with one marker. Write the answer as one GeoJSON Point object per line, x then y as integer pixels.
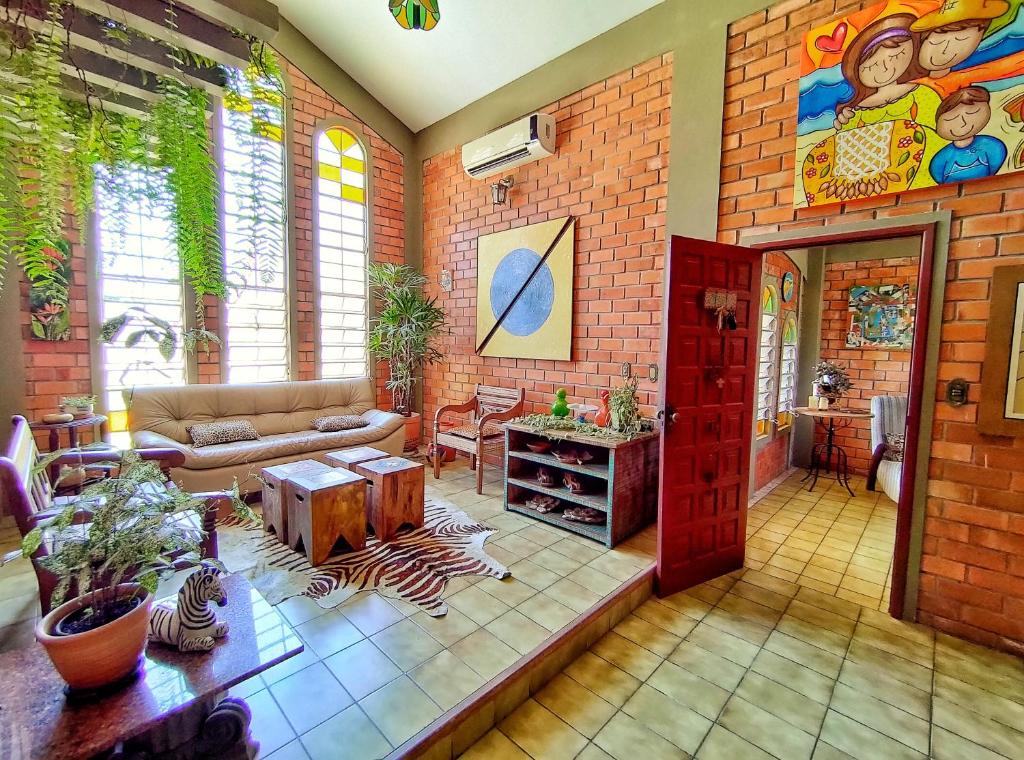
{"type": "Point", "coordinates": [108, 549]}
{"type": "Point", "coordinates": [79, 406]}
{"type": "Point", "coordinates": [625, 409]}
{"type": "Point", "coordinates": [405, 330]}
{"type": "Point", "coordinates": [833, 381]}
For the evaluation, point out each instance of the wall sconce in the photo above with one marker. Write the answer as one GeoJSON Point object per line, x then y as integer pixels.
{"type": "Point", "coordinates": [499, 190]}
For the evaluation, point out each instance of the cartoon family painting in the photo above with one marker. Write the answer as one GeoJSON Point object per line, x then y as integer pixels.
{"type": "Point", "coordinates": [910, 94]}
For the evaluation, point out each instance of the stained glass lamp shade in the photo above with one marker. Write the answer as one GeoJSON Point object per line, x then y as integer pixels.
{"type": "Point", "coordinates": [416, 14]}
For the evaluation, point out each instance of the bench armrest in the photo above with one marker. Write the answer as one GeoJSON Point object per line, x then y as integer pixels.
{"type": "Point", "coordinates": [467, 406]}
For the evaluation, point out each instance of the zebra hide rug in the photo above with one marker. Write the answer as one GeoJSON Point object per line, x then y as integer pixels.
{"type": "Point", "coordinates": [414, 567]}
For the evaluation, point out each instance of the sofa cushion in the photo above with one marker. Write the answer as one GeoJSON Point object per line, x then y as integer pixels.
{"type": "Point", "coordinates": [894, 445]}
{"type": "Point", "coordinates": [227, 431]}
{"type": "Point", "coordinates": [339, 422]}
{"type": "Point", "coordinates": [379, 425]}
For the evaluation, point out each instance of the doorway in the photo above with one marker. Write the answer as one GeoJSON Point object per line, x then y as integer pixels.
{"type": "Point", "coordinates": [696, 530]}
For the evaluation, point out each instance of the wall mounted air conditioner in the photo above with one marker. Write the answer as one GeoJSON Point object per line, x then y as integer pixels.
{"type": "Point", "coordinates": [515, 144]}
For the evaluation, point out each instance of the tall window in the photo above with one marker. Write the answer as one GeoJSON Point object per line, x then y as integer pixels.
{"type": "Point", "coordinates": [138, 267]}
{"type": "Point", "coordinates": [787, 374]}
{"type": "Point", "coordinates": [256, 309]}
{"type": "Point", "coordinates": [766, 365]}
{"type": "Point", "coordinates": [341, 253]}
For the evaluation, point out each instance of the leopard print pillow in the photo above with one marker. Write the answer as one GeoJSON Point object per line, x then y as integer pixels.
{"type": "Point", "coordinates": [894, 445]}
{"type": "Point", "coordinates": [228, 431]}
{"type": "Point", "coordinates": [339, 422]}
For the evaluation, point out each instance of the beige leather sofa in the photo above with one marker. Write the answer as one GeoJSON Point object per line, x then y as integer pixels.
{"type": "Point", "coordinates": [282, 414]}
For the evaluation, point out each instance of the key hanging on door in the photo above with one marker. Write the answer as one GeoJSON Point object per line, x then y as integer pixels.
{"type": "Point", "coordinates": [726, 317]}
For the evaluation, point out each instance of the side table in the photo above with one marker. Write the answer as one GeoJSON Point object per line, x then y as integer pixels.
{"type": "Point", "coordinates": [276, 494]}
{"type": "Point", "coordinates": [347, 459]}
{"type": "Point", "coordinates": [323, 507]}
{"type": "Point", "coordinates": [54, 429]}
{"type": "Point", "coordinates": [395, 494]}
{"type": "Point", "coordinates": [830, 420]}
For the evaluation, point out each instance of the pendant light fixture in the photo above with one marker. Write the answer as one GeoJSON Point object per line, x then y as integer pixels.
{"type": "Point", "coordinates": [415, 14]}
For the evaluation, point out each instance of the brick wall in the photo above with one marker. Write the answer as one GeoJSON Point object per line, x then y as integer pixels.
{"type": "Point", "coordinates": [58, 369]}
{"type": "Point", "coordinates": [874, 372]}
{"type": "Point", "coordinates": [972, 581]}
{"type": "Point", "coordinates": [610, 171]}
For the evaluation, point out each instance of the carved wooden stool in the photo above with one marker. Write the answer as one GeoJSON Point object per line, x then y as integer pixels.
{"type": "Point", "coordinates": [275, 494]}
{"type": "Point", "coordinates": [396, 494]}
{"type": "Point", "coordinates": [323, 507]}
{"type": "Point", "coordinates": [348, 458]}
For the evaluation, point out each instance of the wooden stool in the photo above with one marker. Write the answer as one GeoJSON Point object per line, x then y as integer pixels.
{"type": "Point", "coordinates": [323, 507]}
{"type": "Point", "coordinates": [347, 458]}
{"type": "Point", "coordinates": [396, 496]}
{"type": "Point", "coordinates": [275, 493]}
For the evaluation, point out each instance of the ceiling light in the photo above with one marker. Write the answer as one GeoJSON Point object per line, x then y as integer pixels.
{"type": "Point", "coordinates": [415, 14]}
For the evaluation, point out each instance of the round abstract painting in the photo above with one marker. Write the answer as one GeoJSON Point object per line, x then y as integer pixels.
{"type": "Point", "coordinates": [533, 308]}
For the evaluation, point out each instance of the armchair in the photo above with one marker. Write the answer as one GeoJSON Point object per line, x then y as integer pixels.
{"type": "Point", "coordinates": [488, 407]}
{"type": "Point", "coordinates": [27, 491]}
{"type": "Point", "coordinates": [889, 418]}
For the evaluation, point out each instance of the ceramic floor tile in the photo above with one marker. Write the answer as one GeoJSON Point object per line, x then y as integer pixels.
{"type": "Point", "coordinates": [538, 577]}
{"type": "Point", "coordinates": [573, 595]}
{"type": "Point", "coordinates": [882, 717]}
{"type": "Point", "coordinates": [406, 644]}
{"type": "Point", "coordinates": [399, 709]}
{"type": "Point", "coordinates": [689, 690]}
{"type": "Point", "coordinates": [647, 635]}
{"type": "Point", "coordinates": [555, 562]}
{"type": "Point", "coordinates": [949, 746]}
{"type": "Point", "coordinates": [590, 578]}
{"type": "Point", "coordinates": [624, 738]}
{"type": "Point", "coordinates": [494, 745]}
{"type": "Point", "coordinates": [770, 733]}
{"type": "Point", "coordinates": [576, 705]}
{"type": "Point", "coordinates": [684, 727]}
{"type": "Point", "coordinates": [878, 684]}
{"type": "Point", "coordinates": [545, 611]}
{"type": "Point", "coordinates": [310, 697]}
{"type": "Point", "coordinates": [541, 733]}
{"type": "Point", "coordinates": [362, 668]}
{"type": "Point", "coordinates": [707, 665]}
{"type": "Point", "coordinates": [804, 654]}
{"type": "Point", "coordinates": [626, 655]}
{"type": "Point", "coordinates": [782, 702]}
{"type": "Point", "coordinates": [329, 633]}
{"type": "Point", "coordinates": [269, 725]}
{"type": "Point", "coordinates": [861, 742]}
{"type": "Point", "coordinates": [978, 728]}
{"type": "Point", "coordinates": [477, 605]}
{"type": "Point", "coordinates": [722, 744]}
{"type": "Point", "coordinates": [732, 648]}
{"type": "Point", "coordinates": [350, 729]}
{"type": "Point", "coordinates": [484, 653]}
{"type": "Point", "coordinates": [370, 613]}
{"type": "Point", "coordinates": [447, 629]}
{"type": "Point", "coordinates": [518, 631]}
{"type": "Point", "coordinates": [665, 617]}
{"type": "Point", "coordinates": [511, 591]}
{"type": "Point", "coordinates": [896, 668]}
{"type": "Point", "coordinates": [446, 679]}
{"type": "Point", "coordinates": [293, 750]}
{"type": "Point", "coordinates": [604, 679]}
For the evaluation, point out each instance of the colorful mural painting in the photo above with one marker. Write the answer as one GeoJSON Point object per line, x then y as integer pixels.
{"type": "Point", "coordinates": [537, 324]}
{"type": "Point", "coordinates": [51, 319]}
{"type": "Point", "coordinates": [881, 316]}
{"type": "Point", "coordinates": [910, 94]}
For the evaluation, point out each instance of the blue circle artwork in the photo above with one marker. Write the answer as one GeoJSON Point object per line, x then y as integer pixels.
{"type": "Point", "coordinates": [534, 306]}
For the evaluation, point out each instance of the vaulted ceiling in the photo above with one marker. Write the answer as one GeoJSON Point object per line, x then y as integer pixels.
{"type": "Point", "coordinates": [478, 46]}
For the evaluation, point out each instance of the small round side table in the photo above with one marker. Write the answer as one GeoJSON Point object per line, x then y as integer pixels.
{"type": "Point", "coordinates": [54, 428]}
{"type": "Point", "coordinates": [830, 420]}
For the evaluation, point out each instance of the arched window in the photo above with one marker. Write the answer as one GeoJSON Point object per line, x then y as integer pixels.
{"type": "Point", "coordinates": [341, 253]}
{"type": "Point", "coordinates": [767, 358]}
{"type": "Point", "coordinates": [256, 309]}
{"type": "Point", "coordinates": [787, 373]}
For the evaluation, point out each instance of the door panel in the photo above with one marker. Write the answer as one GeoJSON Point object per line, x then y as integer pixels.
{"type": "Point", "coordinates": [708, 380]}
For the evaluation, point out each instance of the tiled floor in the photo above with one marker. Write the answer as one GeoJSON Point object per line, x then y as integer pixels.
{"type": "Point", "coordinates": [375, 671]}
{"type": "Point", "coordinates": [825, 539]}
{"type": "Point", "coordinates": [750, 666]}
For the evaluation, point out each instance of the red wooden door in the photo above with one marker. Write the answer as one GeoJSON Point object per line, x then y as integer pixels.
{"type": "Point", "coordinates": [707, 392]}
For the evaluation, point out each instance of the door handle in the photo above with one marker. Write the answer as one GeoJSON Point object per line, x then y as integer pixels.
{"type": "Point", "coordinates": [668, 415]}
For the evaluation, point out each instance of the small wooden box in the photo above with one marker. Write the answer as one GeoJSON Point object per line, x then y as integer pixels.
{"type": "Point", "coordinates": [275, 494]}
{"type": "Point", "coordinates": [323, 507]}
{"type": "Point", "coordinates": [396, 494]}
{"type": "Point", "coordinates": [348, 458]}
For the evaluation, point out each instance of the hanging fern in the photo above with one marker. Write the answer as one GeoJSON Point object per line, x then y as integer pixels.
{"type": "Point", "coordinates": [183, 146]}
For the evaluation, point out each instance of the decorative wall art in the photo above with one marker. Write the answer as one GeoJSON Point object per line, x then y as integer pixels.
{"type": "Point", "coordinates": [1001, 411]}
{"type": "Point", "coordinates": [415, 14]}
{"type": "Point", "coordinates": [534, 322]}
{"type": "Point", "coordinates": [788, 287]}
{"type": "Point", "coordinates": [881, 316]}
{"type": "Point", "coordinates": [909, 94]}
{"type": "Point", "coordinates": [51, 318]}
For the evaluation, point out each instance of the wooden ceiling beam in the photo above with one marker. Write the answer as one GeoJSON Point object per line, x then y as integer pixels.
{"type": "Point", "coordinates": [118, 102]}
{"type": "Point", "coordinates": [260, 18]}
{"type": "Point", "coordinates": [190, 32]}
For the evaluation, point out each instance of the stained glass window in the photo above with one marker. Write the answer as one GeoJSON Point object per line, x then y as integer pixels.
{"type": "Point", "coordinates": [767, 358]}
{"type": "Point", "coordinates": [256, 309]}
{"type": "Point", "coordinates": [341, 250]}
{"type": "Point", "coordinates": [787, 373]}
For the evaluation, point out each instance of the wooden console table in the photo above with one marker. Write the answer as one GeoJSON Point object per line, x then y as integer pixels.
{"type": "Point", "coordinates": [173, 709]}
{"type": "Point", "coordinates": [621, 480]}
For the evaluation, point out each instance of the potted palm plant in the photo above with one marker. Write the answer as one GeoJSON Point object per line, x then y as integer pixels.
{"type": "Point", "coordinates": [406, 329]}
{"type": "Point", "coordinates": [108, 549]}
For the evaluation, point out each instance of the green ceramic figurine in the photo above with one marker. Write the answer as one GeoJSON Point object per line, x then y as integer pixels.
{"type": "Point", "coordinates": [560, 409]}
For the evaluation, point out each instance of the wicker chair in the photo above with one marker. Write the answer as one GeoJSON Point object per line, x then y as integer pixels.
{"type": "Point", "coordinates": [28, 493]}
{"type": "Point", "coordinates": [488, 407]}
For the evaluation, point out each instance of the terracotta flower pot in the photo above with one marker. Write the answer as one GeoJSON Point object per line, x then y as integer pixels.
{"type": "Point", "coordinates": [103, 655]}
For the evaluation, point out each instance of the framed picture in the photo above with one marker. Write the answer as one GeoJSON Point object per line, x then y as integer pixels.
{"type": "Point", "coordinates": [524, 300]}
{"type": "Point", "coordinates": [1002, 379]}
{"type": "Point", "coordinates": [910, 94]}
{"type": "Point", "coordinates": [881, 316]}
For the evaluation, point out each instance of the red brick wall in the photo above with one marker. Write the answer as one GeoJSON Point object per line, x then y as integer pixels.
{"type": "Point", "coordinates": [772, 456]}
{"type": "Point", "coordinates": [874, 372]}
{"type": "Point", "coordinates": [972, 580]}
{"type": "Point", "coordinates": [610, 171]}
{"type": "Point", "coordinates": [57, 369]}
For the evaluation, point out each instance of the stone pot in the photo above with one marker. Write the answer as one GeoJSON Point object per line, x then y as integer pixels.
{"type": "Point", "coordinates": [104, 655]}
{"type": "Point", "coordinates": [78, 412]}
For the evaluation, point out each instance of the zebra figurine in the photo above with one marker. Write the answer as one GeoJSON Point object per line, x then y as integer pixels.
{"type": "Point", "coordinates": [188, 622]}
